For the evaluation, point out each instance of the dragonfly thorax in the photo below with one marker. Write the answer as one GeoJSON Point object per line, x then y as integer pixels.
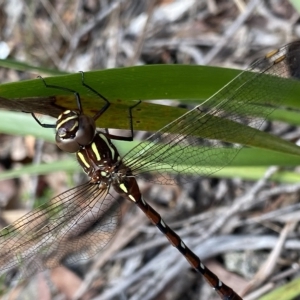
{"type": "Point", "coordinates": [99, 158]}
{"type": "Point", "coordinates": [74, 130]}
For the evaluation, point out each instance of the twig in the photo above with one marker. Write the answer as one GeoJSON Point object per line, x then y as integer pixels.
{"type": "Point", "coordinates": [231, 31]}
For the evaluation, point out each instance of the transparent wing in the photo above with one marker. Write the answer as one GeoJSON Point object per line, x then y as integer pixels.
{"type": "Point", "coordinates": [194, 138]}
{"type": "Point", "coordinates": [74, 225]}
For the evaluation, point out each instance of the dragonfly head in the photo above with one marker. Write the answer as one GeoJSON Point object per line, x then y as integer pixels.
{"type": "Point", "coordinates": [74, 131]}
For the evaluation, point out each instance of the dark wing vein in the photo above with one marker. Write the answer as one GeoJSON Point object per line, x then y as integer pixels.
{"type": "Point", "coordinates": [192, 144]}
{"type": "Point", "coordinates": [74, 225]}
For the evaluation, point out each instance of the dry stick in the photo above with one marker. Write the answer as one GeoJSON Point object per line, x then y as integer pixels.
{"type": "Point", "coordinates": [272, 283]}
{"type": "Point", "coordinates": [224, 40]}
{"type": "Point", "coordinates": [186, 230]}
{"type": "Point", "coordinates": [140, 41]}
{"type": "Point", "coordinates": [240, 4]}
{"type": "Point", "coordinates": [193, 52]}
{"type": "Point", "coordinates": [283, 214]}
{"type": "Point", "coordinates": [268, 267]}
{"type": "Point", "coordinates": [212, 7]}
{"type": "Point", "coordinates": [209, 248]}
{"type": "Point", "coordinates": [287, 189]}
{"type": "Point", "coordinates": [226, 243]}
{"type": "Point", "coordinates": [277, 22]}
{"type": "Point", "coordinates": [155, 284]}
{"type": "Point", "coordinates": [286, 273]}
{"type": "Point", "coordinates": [123, 236]}
{"type": "Point", "coordinates": [113, 39]}
{"type": "Point", "coordinates": [161, 260]}
{"type": "Point", "coordinates": [203, 217]}
{"type": "Point", "coordinates": [173, 260]}
{"type": "Point", "coordinates": [56, 19]}
{"type": "Point", "coordinates": [159, 241]}
{"type": "Point", "coordinates": [47, 45]}
{"type": "Point", "coordinates": [239, 203]}
{"type": "Point", "coordinates": [168, 259]}
{"type": "Point", "coordinates": [261, 291]}
{"type": "Point", "coordinates": [86, 28]}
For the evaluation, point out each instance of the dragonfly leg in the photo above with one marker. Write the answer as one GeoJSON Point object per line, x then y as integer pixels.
{"type": "Point", "coordinates": [107, 103]}
{"type": "Point", "coordinates": [76, 94]}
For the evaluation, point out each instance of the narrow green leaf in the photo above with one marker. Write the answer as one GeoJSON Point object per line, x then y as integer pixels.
{"type": "Point", "coordinates": [289, 291]}
{"type": "Point", "coordinates": [23, 124]}
{"type": "Point", "coordinates": [187, 83]}
{"type": "Point", "coordinates": [21, 66]}
{"type": "Point", "coordinates": [70, 165]}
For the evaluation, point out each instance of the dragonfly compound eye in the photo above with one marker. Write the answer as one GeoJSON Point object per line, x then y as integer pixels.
{"type": "Point", "coordinates": [74, 131]}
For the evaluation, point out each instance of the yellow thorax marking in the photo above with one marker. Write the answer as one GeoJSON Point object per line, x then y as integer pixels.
{"type": "Point", "coordinates": [123, 188]}
{"type": "Point", "coordinates": [95, 150]}
{"type": "Point", "coordinates": [82, 158]}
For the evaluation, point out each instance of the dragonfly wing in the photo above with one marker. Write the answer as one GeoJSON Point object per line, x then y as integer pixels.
{"type": "Point", "coordinates": [74, 225]}
{"type": "Point", "coordinates": [208, 137]}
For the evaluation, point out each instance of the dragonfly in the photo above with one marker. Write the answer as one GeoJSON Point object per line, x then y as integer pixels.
{"type": "Point", "coordinates": [81, 221]}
